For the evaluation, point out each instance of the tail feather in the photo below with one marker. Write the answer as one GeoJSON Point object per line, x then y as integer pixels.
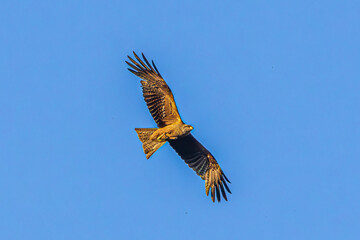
{"type": "Point", "coordinates": [145, 133]}
{"type": "Point", "coordinates": [149, 146]}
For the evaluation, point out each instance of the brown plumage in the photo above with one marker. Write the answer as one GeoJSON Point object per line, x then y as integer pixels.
{"type": "Point", "coordinates": [161, 104]}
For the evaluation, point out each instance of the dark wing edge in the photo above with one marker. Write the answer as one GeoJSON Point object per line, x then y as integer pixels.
{"type": "Point", "coordinates": [142, 70]}
{"type": "Point", "coordinates": [197, 157]}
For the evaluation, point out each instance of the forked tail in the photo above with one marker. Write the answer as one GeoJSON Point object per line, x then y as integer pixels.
{"type": "Point", "coordinates": [149, 146]}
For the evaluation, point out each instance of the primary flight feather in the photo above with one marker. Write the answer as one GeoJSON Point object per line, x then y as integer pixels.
{"type": "Point", "coordinates": [161, 104]}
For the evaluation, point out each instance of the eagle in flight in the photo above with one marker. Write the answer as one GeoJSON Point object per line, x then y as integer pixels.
{"type": "Point", "coordinates": [160, 101]}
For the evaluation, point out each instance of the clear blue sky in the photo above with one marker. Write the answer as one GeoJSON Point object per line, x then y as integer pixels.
{"type": "Point", "coordinates": [271, 87]}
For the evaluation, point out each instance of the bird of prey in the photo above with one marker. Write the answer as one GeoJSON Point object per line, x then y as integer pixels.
{"type": "Point", "coordinates": [161, 104]}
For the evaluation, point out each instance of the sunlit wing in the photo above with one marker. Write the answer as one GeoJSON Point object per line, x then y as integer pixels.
{"type": "Point", "coordinates": [203, 163]}
{"type": "Point", "coordinates": [157, 94]}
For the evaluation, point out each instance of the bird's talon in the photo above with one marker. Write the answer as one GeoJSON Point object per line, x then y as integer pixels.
{"type": "Point", "coordinates": [162, 137]}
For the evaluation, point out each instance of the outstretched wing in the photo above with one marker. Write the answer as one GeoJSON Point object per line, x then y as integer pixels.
{"type": "Point", "coordinates": [203, 163]}
{"type": "Point", "coordinates": [157, 94]}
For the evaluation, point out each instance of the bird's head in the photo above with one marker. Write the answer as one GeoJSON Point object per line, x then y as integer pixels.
{"type": "Point", "coordinates": [187, 128]}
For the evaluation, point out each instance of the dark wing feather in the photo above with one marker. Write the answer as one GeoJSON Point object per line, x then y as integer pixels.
{"type": "Point", "coordinates": [203, 163]}
{"type": "Point", "coordinates": [157, 94]}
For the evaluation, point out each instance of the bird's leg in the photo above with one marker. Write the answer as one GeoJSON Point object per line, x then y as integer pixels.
{"type": "Point", "coordinates": [162, 137]}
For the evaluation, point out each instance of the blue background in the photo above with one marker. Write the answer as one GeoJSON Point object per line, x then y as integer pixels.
{"type": "Point", "coordinates": [271, 87]}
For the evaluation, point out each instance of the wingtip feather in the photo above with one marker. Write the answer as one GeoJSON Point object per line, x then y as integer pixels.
{"type": "Point", "coordinates": [217, 192]}
{"type": "Point", "coordinates": [223, 191]}
{"type": "Point", "coordinates": [213, 193]}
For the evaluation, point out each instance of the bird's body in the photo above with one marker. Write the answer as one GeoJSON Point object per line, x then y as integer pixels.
{"type": "Point", "coordinates": [172, 129]}
{"type": "Point", "coordinates": [171, 132]}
